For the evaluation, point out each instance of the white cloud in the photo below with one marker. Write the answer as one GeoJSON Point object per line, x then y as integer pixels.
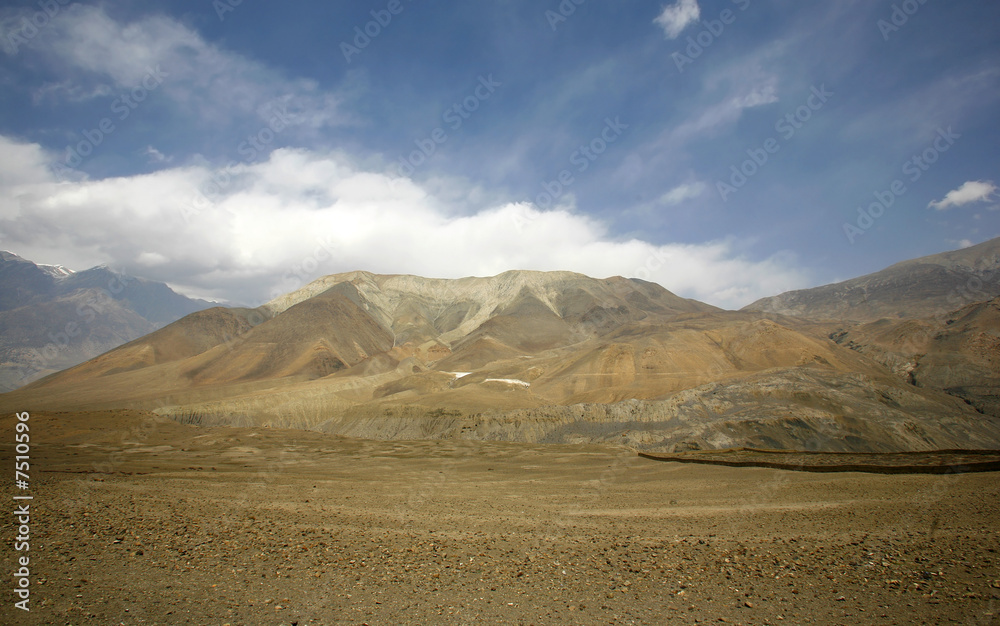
{"type": "Point", "coordinates": [21, 163]}
{"type": "Point", "coordinates": [301, 214]}
{"type": "Point", "coordinates": [211, 84]}
{"type": "Point", "coordinates": [729, 110]}
{"type": "Point", "coordinates": [676, 17]}
{"type": "Point", "coordinates": [150, 259]}
{"type": "Point", "coordinates": [155, 156]}
{"type": "Point", "coordinates": [680, 193]}
{"type": "Point", "coordinates": [969, 192]}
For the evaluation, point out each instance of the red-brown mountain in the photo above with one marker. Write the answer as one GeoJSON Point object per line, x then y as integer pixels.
{"type": "Point", "coordinates": [528, 356]}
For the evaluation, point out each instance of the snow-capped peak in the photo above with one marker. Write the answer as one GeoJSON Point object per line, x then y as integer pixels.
{"type": "Point", "coordinates": [56, 271]}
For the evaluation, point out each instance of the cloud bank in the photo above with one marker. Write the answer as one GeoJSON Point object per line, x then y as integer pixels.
{"type": "Point", "coordinates": [281, 222]}
{"type": "Point", "coordinates": [102, 57]}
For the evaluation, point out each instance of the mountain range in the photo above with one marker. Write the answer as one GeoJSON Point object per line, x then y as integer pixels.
{"type": "Point", "coordinates": [930, 286]}
{"type": "Point", "coordinates": [52, 318]}
{"type": "Point", "coordinates": [898, 360]}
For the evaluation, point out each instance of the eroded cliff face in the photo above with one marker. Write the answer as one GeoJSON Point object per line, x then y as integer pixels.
{"type": "Point", "coordinates": [551, 357]}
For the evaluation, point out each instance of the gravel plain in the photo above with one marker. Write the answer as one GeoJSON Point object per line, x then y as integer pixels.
{"type": "Point", "coordinates": [139, 520]}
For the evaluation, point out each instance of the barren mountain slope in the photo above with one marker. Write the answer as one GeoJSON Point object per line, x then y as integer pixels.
{"type": "Point", "coordinates": [523, 356]}
{"type": "Point", "coordinates": [188, 337]}
{"type": "Point", "coordinates": [52, 318]}
{"type": "Point", "coordinates": [23, 282]}
{"type": "Point", "coordinates": [959, 353]}
{"type": "Point", "coordinates": [925, 287]}
{"type": "Point", "coordinates": [347, 319]}
{"type": "Point", "coordinates": [325, 364]}
{"type": "Point", "coordinates": [314, 338]}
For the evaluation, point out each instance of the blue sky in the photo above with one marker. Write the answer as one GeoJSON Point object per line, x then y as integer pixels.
{"type": "Point", "coordinates": [721, 148]}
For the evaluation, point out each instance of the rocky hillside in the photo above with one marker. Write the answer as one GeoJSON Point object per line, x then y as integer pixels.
{"type": "Point", "coordinates": [930, 286]}
{"type": "Point", "coordinates": [959, 353]}
{"type": "Point", "coordinates": [522, 356]}
{"type": "Point", "coordinates": [52, 318]}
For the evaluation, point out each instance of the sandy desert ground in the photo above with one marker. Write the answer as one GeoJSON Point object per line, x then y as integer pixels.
{"type": "Point", "coordinates": [139, 520]}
